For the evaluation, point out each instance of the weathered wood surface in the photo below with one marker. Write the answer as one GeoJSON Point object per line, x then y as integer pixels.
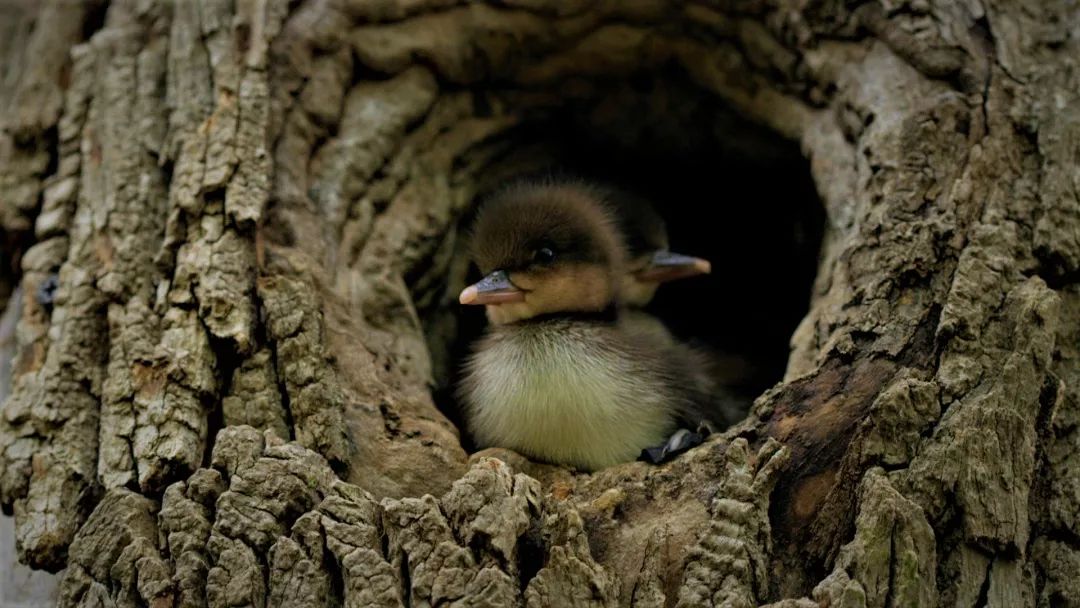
{"type": "Point", "coordinates": [250, 210]}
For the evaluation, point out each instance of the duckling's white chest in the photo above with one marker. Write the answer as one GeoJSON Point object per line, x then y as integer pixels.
{"type": "Point", "coordinates": [564, 397]}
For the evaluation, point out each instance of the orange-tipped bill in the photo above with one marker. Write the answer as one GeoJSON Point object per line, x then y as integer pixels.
{"type": "Point", "coordinates": [495, 288]}
{"type": "Point", "coordinates": [667, 266]}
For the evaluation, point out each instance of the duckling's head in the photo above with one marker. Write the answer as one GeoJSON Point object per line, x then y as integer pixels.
{"type": "Point", "coordinates": [649, 261]}
{"type": "Point", "coordinates": [545, 248]}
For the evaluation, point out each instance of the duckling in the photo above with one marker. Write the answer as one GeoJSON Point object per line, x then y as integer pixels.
{"type": "Point", "coordinates": [649, 259]}
{"type": "Point", "coordinates": [557, 376]}
{"type": "Point", "coordinates": [651, 263]}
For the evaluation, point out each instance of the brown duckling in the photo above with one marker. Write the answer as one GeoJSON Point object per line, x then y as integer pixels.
{"type": "Point", "coordinates": [650, 264]}
{"type": "Point", "coordinates": [558, 377]}
{"type": "Point", "coordinates": [650, 261]}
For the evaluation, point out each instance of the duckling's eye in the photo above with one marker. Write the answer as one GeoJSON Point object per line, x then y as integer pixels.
{"type": "Point", "coordinates": [544, 255]}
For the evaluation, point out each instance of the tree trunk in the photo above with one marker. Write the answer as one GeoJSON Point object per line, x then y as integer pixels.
{"type": "Point", "coordinates": [237, 227]}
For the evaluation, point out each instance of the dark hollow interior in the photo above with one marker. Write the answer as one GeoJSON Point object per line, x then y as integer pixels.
{"type": "Point", "coordinates": [731, 191]}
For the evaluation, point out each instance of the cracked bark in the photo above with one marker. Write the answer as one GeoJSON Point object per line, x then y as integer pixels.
{"type": "Point", "coordinates": [251, 209]}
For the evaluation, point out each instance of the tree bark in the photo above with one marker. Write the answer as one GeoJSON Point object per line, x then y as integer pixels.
{"type": "Point", "coordinates": [237, 228]}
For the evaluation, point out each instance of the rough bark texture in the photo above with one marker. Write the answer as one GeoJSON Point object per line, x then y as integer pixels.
{"type": "Point", "coordinates": [244, 217]}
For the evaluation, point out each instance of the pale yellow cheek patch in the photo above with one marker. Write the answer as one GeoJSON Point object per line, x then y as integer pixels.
{"type": "Point", "coordinates": [502, 314]}
{"type": "Point", "coordinates": [637, 293]}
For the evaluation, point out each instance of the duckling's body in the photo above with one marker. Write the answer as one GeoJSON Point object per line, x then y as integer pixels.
{"type": "Point", "coordinates": [560, 375]}
{"type": "Point", "coordinates": [574, 390]}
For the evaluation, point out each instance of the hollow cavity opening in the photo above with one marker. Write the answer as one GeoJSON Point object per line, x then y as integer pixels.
{"type": "Point", "coordinates": [730, 191]}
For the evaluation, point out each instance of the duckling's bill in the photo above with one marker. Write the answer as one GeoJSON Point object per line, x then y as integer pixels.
{"type": "Point", "coordinates": [495, 288]}
{"type": "Point", "coordinates": [667, 266]}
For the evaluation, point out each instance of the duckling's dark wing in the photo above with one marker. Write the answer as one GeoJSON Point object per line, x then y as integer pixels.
{"type": "Point", "coordinates": [690, 390]}
{"type": "Point", "coordinates": [689, 372]}
{"type": "Point", "coordinates": [703, 405]}
{"type": "Point", "coordinates": [721, 407]}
